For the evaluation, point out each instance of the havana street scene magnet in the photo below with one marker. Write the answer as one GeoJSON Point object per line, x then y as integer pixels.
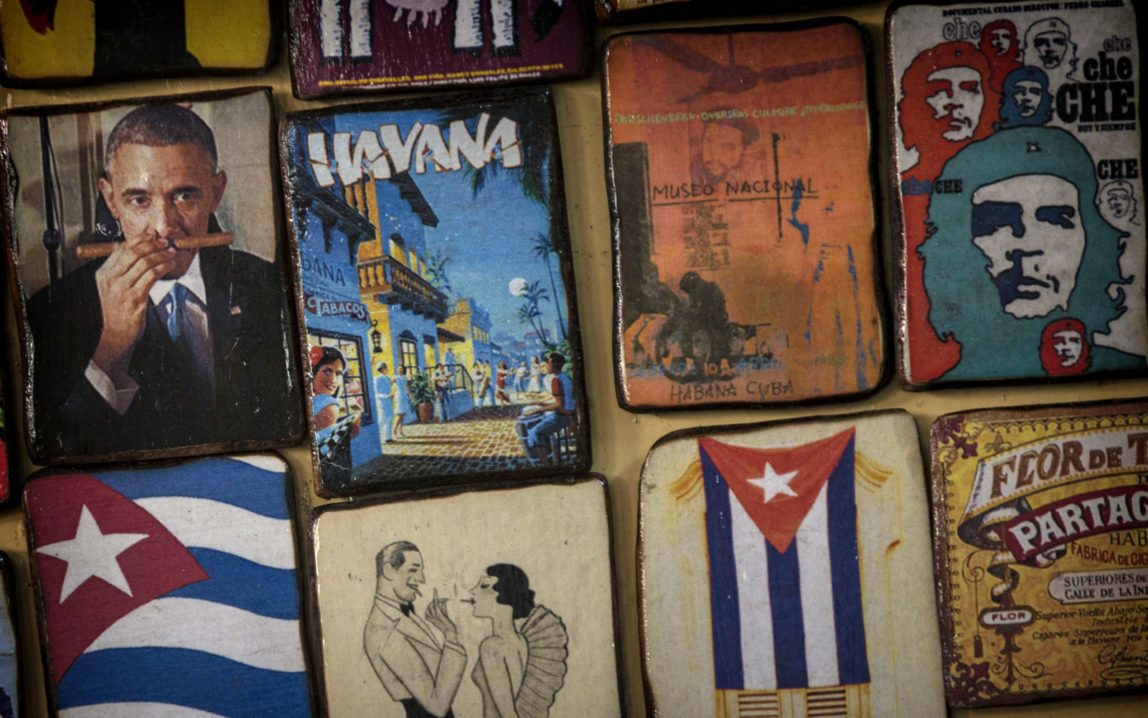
{"type": "Point", "coordinates": [437, 291]}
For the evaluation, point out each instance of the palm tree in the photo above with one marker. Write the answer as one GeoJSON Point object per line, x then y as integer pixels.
{"type": "Point", "coordinates": [526, 315]}
{"type": "Point", "coordinates": [436, 271]}
{"type": "Point", "coordinates": [530, 312]}
{"type": "Point", "coordinates": [534, 128]}
{"type": "Point", "coordinates": [543, 248]}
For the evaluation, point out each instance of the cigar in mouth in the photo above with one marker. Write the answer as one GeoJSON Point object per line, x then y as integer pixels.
{"type": "Point", "coordinates": [103, 249]}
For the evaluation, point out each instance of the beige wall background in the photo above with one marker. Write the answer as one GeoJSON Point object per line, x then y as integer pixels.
{"type": "Point", "coordinates": [620, 439]}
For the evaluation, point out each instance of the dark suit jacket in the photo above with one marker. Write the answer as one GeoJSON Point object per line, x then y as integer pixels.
{"type": "Point", "coordinates": [256, 394]}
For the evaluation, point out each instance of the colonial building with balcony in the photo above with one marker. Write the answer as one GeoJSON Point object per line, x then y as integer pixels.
{"type": "Point", "coordinates": [330, 225]}
{"type": "Point", "coordinates": [362, 255]}
{"type": "Point", "coordinates": [404, 306]}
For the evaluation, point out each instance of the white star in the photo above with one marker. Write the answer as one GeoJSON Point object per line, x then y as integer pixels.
{"type": "Point", "coordinates": [773, 483]}
{"type": "Point", "coordinates": [92, 553]}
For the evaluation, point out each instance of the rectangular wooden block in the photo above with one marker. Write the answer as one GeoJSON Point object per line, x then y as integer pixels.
{"type": "Point", "coordinates": [52, 43]}
{"type": "Point", "coordinates": [494, 602]}
{"type": "Point", "coordinates": [437, 290]}
{"type": "Point", "coordinates": [348, 46]}
{"type": "Point", "coordinates": [784, 570]}
{"type": "Point", "coordinates": [740, 184]}
{"type": "Point", "coordinates": [141, 334]}
{"type": "Point", "coordinates": [169, 590]}
{"type": "Point", "coordinates": [1018, 191]}
{"type": "Point", "coordinates": [1042, 519]}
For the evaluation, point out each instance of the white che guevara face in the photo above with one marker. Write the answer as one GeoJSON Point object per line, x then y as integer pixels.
{"type": "Point", "coordinates": [1068, 345]}
{"type": "Point", "coordinates": [1118, 201]}
{"type": "Point", "coordinates": [1029, 228]}
{"type": "Point", "coordinates": [956, 95]}
{"type": "Point", "coordinates": [1051, 48]}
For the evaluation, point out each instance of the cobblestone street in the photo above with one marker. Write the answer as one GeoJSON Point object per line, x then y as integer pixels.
{"type": "Point", "coordinates": [481, 440]}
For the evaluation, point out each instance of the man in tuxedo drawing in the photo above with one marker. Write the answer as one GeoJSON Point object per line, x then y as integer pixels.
{"type": "Point", "coordinates": [417, 667]}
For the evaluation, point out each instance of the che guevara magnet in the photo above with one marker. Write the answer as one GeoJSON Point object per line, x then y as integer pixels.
{"type": "Point", "coordinates": [1017, 191]}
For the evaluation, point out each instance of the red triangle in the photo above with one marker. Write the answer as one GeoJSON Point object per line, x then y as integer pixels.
{"type": "Point", "coordinates": [780, 517]}
{"type": "Point", "coordinates": [153, 567]}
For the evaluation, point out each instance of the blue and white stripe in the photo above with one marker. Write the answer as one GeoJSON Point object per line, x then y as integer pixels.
{"type": "Point", "coordinates": [792, 619]}
{"type": "Point", "coordinates": [226, 646]}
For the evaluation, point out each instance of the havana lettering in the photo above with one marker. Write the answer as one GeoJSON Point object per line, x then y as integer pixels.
{"type": "Point", "coordinates": [1129, 538]}
{"type": "Point", "coordinates": [711, 391]}
{"type": "Point", "coordinates": [321, 269]}
{"type": "Point", "coordinates": [379, 154]}
{"type": "Point", "coordinates": [703, 392]}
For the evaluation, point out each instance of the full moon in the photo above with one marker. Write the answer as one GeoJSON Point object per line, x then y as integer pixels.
{"type": "Point", "coordinates": [517, 286]}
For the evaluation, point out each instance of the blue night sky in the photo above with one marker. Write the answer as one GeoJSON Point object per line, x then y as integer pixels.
{"type": "Point", "coordinates": [488, 236]}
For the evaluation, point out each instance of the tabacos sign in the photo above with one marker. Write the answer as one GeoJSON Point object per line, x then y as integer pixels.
{"type": "Point", "coordinates": [335, 307]}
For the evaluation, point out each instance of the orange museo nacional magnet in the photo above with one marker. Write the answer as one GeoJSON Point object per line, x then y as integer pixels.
{"type": "Point", "coordinates": [739, 180]}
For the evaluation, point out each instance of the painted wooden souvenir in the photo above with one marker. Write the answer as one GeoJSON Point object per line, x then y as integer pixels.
{"type": "Point", "coordinates": [489, 603]}
{"type": "Point", "coordinates": [1041, 514]}
{"type": "Point", "coordinates": [1018, 191]}
{"type": "Point", "coordinates": [9, 647]}
{"type": "Point", "coordinates": [342, 46]}
{"type": "Point", "coordinates": [784, 570]}
{"type": "Point", "coordinates": [740, 186]}
{"type": "Point", "coordinates": [46, 43]}
{"type": "Point", "coordinates": [190, 356]}
{"type": "Point", "coordinates": [437, 293]}
{"type": "Point", "coordinates": [169, 590]}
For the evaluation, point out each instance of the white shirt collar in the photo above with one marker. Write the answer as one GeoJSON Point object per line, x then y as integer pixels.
{"type": "Point", "coordinates": [192, 279]}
